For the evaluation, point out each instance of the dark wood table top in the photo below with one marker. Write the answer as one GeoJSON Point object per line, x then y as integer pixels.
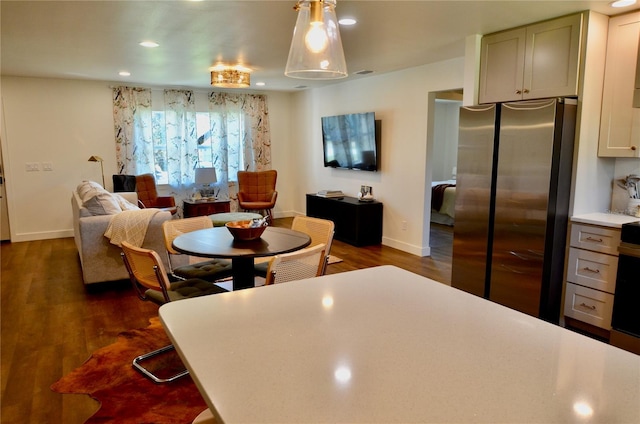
{"type": "Point", "coordinates": [219, 243]}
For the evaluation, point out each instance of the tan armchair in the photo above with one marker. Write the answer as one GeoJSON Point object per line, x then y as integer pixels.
{"type": "Point", "coordinates": [148, 194]}
{"type": "Point", "coordinates": [257, 191]}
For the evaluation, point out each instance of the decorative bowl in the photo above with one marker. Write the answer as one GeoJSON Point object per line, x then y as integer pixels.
{"type": "Point", "coordinates": [242, 230]}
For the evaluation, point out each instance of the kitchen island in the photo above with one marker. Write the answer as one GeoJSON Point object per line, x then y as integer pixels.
{"type": "Point", "coordinates": [383, 345]}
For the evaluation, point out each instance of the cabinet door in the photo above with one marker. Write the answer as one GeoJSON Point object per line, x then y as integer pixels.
{"type": "Point", "coordinates": [502, 66]}
{"type": "Point", "coordinates": [552, 58]}
{"type": "Point", "coordinates": [620, 122]}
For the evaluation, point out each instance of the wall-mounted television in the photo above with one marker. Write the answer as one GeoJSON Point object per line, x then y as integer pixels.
{"type": "Point", "coordinates": [351, 141]}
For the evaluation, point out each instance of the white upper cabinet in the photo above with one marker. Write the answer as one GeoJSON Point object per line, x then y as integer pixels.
{"type": "Point", "coordinates": [620, 122]}
{"type": "Point", "coordinates": [536, 61]}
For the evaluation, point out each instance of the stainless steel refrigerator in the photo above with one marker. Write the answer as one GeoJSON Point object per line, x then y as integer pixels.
{"type": "Point", "coordinates": [512, 200]}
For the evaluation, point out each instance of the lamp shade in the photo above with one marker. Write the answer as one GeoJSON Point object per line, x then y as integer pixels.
{"type": "Point", "coordinates": [205, 176]}
{"type": "Point", "coordinates": [316, 48]}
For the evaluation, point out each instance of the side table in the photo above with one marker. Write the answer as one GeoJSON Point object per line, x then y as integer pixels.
{"type": "Point", "coordinates": [193, 208]}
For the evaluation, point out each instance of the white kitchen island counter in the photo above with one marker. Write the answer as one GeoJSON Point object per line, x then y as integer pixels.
{"type": "Point", "coordinates": [383, 345]}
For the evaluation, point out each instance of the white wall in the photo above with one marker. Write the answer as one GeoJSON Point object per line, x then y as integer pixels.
{"type": "Point", "coordinates": [64, 122]}
{"type": "Point", "coordinates": [445, 139]}
{"type": "Point", "coordinates": [400, 101]}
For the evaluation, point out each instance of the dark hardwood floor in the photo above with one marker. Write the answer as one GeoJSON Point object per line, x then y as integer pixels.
{"type": "Point", "coordinates": [51, 322]}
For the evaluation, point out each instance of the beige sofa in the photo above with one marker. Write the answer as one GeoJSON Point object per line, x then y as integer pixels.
{"type": "Point", "coordinates": [100, 260]}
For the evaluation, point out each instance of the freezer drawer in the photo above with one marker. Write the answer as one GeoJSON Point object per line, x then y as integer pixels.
{"type": "Point", "coordinates": [588, 305]}
{"type": "Point", "coordinates": [597, 239]}
{"type": "Point", "coordinates": [591, 269]}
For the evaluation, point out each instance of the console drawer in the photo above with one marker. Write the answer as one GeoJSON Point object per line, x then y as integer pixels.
{"type": "Point", "coordinates": [591, 269]}
{"type": "Point", "coordinates": [588, 305]}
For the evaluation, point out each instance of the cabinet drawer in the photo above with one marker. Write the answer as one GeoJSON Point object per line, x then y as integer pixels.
{"type": "Point", "coordinates": [588, 305]}
{"type": "Point", "coordinates": [591, 269]}
{"type": "Point", "coordinates": [598, 239]}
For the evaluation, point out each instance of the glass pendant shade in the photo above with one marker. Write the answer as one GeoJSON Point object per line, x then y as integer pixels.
{"type": "Point", "coordinates": [316, 48]}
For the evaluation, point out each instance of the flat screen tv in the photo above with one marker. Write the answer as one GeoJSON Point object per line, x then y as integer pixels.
{"type": "Point", "coordinates": [351, 141]}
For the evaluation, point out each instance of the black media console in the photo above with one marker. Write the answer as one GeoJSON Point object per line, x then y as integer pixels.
{"type": "Point", "coordinates": [357, 223]}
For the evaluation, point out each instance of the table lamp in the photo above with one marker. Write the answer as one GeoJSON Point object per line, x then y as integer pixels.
{"type": "Point", "coordinates": [204, 178]}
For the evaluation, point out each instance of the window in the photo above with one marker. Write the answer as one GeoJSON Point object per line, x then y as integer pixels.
{"type": "Point", "coordinates": [209, 145]}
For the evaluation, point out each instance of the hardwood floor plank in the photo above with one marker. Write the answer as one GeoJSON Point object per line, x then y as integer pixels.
{"type": "Point", "coordinates": [51, 322]}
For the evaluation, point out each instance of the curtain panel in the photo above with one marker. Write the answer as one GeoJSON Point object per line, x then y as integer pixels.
{"type": "Point", "coordinates": [133, 130]}
{"type": "Point", "coordinates": [238, 127]}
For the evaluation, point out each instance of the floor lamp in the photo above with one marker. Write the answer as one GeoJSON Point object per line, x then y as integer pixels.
{"type": "Point", "coordinates": [98, 159]}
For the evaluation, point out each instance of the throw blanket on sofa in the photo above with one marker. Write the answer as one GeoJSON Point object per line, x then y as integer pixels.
{"type": "Point", "coordinates": [130, 226]}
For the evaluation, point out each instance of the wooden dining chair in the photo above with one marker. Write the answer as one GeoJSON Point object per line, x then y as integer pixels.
{"type": "Point", "coordinates": [210, 270]}
{"type": "Point", "coordinates": [150, 281]}
{"type": "Point", "coordinates": [320, 230]}
{"type": "Point", "coordinates": [298, 265]}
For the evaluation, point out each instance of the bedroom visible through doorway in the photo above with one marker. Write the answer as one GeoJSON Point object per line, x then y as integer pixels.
{"type": "Point", "coordinates": [441, 166]}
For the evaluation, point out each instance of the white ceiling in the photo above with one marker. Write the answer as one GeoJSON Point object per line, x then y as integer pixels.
{"type": "Point", "coordinates": [96, 39]}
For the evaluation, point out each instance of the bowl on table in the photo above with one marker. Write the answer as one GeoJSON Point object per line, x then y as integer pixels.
{"type": "Point", "coordinates": [243, 231]}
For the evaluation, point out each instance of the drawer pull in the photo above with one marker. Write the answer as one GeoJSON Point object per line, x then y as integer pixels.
{"type": "Point", "coordinates": [584, 305]}
{"type": "Point", "coordinates": [595, 271]}
{"type": "Point", "coordinates": [599, 240]}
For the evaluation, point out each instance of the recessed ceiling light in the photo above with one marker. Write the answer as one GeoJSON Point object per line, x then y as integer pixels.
{"type": "Point", "coordinates": [622, 3]}
{"type": "Point", "coordinates": [260, 83]}
{"type": "Point", "coordinates": [347, 21]}
{"type": "Point", "coordinates": [124, 73]}
{"type": "Point", "coordinates": [149, 44]}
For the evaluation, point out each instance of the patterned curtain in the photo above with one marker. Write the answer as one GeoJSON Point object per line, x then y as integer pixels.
{"type": "Point", "coordinates": [238, 132]}
{"type": "Point", "coordinates": [182, 146]}
{"type": "Point", "coordinates": [240, 136]}
{"type": "Point", "coordinates": [133, 130]}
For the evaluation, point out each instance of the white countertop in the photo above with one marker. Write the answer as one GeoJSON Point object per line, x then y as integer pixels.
{"type": "Point", "coordinates": [604, 219]}
{"type": "Point", "coordinates": [383, 345]}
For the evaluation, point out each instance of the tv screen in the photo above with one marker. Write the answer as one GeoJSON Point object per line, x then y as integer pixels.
{"type": "Point", "coordinates": [351, 141]}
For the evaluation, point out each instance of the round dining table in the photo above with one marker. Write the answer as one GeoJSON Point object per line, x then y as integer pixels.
{"type": "Point", "coordinates": [218, 242]}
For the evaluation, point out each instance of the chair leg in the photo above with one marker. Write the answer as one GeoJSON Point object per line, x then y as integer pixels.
{"type": "Point", "coordinates": [137, 365]}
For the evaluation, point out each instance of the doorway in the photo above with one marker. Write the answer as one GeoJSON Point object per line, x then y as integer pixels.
{"type": "Point", "coordinates": [5, 233]}
{"type": "Point", "coordinates": [441, 167]}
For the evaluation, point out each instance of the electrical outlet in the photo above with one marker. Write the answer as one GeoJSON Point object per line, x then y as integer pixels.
{"type": "Point", "coordinates": [32, 166]}
{"type": "Point", "coordinates": [404, 225]}
{"type": "Point", "coordinates": [47, 166]}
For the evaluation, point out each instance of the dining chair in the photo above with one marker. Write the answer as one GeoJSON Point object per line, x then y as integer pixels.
{"type": "Point", "coordinates": [257, 191]}
{"type": "Point", "coordinates": [320, 230]}
{"type": "Point", "coordinates": [209, 270]}
{"type": "Point", "coordinates": [151, 282]}
{"type": "Point", "coordinates": [298, 265]}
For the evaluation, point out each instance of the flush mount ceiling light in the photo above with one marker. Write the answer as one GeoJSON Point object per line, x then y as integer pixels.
{"type": "Point", "coordinates": [230, 76]}
{"type": "Point", "coordinates": [622, 3]}
{"type": "Point", "coordinates": [316, 48]}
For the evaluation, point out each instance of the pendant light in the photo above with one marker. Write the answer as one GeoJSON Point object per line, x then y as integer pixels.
{"type": "Point", "coordinates": [316, 48]}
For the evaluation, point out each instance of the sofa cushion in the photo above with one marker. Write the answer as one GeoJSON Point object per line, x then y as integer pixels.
{"type": "Point", "coordinates": [102, 204]}
{"type": "Point", "coordinates": [125, 205]}
{"type": "Point", "coordinates": [88, 189]}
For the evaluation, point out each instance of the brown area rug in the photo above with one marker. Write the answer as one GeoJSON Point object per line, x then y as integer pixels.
{"type": "Point", "coordinates": [125, 395]}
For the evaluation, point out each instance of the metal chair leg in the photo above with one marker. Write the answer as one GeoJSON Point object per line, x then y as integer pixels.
{"type": "Point", "coordinates": [137, 365]}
